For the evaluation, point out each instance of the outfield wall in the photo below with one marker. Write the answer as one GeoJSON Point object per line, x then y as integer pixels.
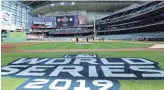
{"type": "Point", "coordinates": [15, 37]}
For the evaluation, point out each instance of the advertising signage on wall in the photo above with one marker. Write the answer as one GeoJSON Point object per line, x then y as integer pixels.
{"type": "Point", "coordinates": [48, 22]}
{"type": "Point", "coordinates": [38, 20]}
{"type": "Point", "coordinates": [82, 20]}
{"type": "Point", "coordinates": [81, 72]}
{"type": "Point", "coordinates": [42, 22]}
{"type": "Point", "coordinates": [76, 21]}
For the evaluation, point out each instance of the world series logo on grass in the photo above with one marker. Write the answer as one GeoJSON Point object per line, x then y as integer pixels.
{"type": "Point", "coordinates": [80, 72]}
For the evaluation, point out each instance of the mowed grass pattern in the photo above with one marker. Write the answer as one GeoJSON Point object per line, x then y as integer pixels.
{"type": "Point", "coordinates": [9, 83]}
{"type": "Point", "coordinates": [72, 45]}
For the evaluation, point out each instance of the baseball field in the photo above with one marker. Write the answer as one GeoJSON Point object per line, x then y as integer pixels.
{"type": "Point", "coordinates": [110, 49]}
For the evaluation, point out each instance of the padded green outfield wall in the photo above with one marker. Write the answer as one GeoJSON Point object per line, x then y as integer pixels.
{"type": "Point", "coordinates": [15, 37]}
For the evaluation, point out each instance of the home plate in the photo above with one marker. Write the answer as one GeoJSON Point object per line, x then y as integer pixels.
{"type": "Point", "coordinates": [157, 46]}
{"type": "Point", "coordinates": [83, 43]}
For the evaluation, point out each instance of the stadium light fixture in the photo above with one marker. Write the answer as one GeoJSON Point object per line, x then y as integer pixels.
{"type": "Point", "coordinates": [62, 3]}
{"type": "Point", "coordinates": [73, 3]}
{"type": "Point", "coordinates": [52, 4]}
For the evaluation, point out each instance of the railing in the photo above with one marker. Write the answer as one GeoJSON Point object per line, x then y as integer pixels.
{"type": "Point", "coordinates": [135, 27]}
{"type": "Point", "coordinates": [138, 21]}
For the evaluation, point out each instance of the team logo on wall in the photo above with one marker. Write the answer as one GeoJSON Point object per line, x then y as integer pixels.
{"type": "Point", "coordinates": [6, 17]}
{"type": "Point", "coordinates": [80, 72]}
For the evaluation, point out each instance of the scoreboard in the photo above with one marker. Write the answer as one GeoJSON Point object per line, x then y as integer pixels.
{"type": "Point", "coordinates": [60, 21]}
{"type": "Point", "coordinates": [65, 21]}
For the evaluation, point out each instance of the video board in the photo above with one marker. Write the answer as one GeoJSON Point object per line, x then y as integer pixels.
{"type": "Point", "coordinates": [65, 21]}
{"type": "Point", "coordinates": [59, 21]}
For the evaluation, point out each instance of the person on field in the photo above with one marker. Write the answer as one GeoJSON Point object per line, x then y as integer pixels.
{"type": "Point", "coordinates": [93, 39]}
{"type": "Point", "coordinates": [77, 40]}
{"type": "Point", "coordinates": [103, 39]}
{"type": "Point", "coordinates": [87, 39]}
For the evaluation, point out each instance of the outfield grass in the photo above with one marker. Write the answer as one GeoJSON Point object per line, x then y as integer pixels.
{"type": "Point", "coordinates": [10, 83]}
{"type": "Point", "coordinates": [72, 45]}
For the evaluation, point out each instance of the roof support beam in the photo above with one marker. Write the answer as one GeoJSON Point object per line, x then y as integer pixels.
{"type": "Point", "coordinates": [30, 3]}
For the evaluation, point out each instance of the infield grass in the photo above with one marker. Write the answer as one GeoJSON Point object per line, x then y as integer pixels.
{"type": "Point", "coordinates": [9, 83]}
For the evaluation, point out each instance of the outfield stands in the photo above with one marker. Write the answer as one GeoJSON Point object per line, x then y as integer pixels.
{"type": "Point", "coordinates": [136, 18]}
{"type": "Point", "coordinates": [132, 13]}
{"type": "Point", "coordinates": [134, 36]}
{"type": "Point", "coordinates": [71, 31]}
{"type": "Point", "coordinates": [144, 22]}
{"type": "Point", "coordinates": [130, 36]}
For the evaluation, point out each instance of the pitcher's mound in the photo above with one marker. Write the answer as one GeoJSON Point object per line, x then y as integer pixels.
{"type": "Point", "coordinates": [83, 43]}
{"type": "Point", "coordinates": [157, 46]}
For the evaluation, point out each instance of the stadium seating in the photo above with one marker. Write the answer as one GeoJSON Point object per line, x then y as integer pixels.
{"type": "Point", "coordinates": [133, 14]}
{"type": "Point", "coordinates": [133, 36]}
{"type": "Point", "coordinates": [132, 18]}
{"type": "Point", "coordinates": [130, 36]}
{"type": "Point", "coordinates": [137, 23]}
{"type": "Point", "coordinates": [72, 31]}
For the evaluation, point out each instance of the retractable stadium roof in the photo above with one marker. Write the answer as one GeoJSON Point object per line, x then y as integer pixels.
{"type": "Point", "coordinates": [43, 7]}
